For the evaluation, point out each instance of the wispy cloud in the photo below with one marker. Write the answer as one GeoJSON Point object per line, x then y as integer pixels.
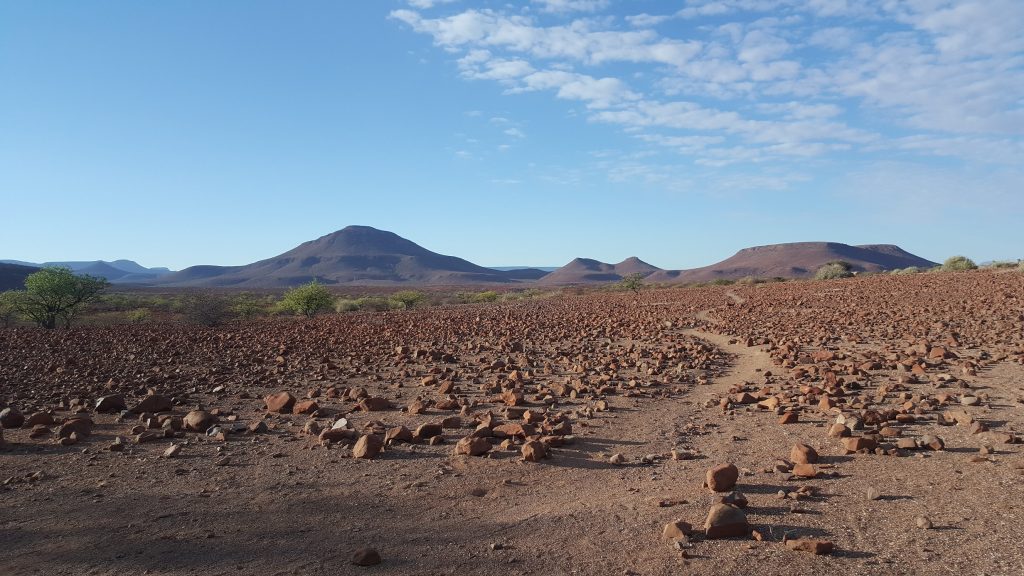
{"type": "Point", "coordinates": [752, 82]}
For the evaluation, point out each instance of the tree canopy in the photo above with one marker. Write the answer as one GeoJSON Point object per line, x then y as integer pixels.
{"type": "Point", "coordinates": [308, 299]}
{"type": "Point", "coordinates": [55, 295]}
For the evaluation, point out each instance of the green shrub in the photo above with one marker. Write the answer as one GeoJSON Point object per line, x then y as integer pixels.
{"type": "Point", "coordinates": [138, 315]}
{"type": "Point", "coordinates": [722, 282]}
{"type": "Point", "coordinates": [907, 270]}
{"type": "Point", "coordinates": [206, 309]}
{"type": "Point", "coordinates": [247, 306]}
{"type": "Point", "coordinates": [373, 303]}
{"type": "Point", "coordinates": [479, 297]}
{"type": "Point", "coordinates": [308, 299]}
{"type": "Point", "coordinates": [749, 280]}
{"type": "Point", "coordinates": [633, 282]}
{"type": "Point", "coordinates": [832, 271]}
{"type": "Point", "coordinates": [8, 310]}
{"type": "Point", "coordinates": [958, 264]}
{"type": "Point", "coordinates": [345, 305]}
{"type": "Point", "coordinates": [406, 299]}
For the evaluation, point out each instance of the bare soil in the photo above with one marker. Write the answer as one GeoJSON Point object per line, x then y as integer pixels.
{"type": "Point", "coordinates": [670, 364]}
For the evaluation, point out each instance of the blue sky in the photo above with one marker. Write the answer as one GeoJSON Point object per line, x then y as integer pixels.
{"type": "Point", "coordinates": [178, 133]}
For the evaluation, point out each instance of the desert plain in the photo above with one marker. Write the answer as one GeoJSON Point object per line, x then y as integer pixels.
{"type": "Point", "coordinates": [870, 425]}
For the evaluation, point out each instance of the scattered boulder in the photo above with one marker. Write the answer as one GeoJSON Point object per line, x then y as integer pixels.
{"type": "Point", "coordinates": [111, 403]}
{"type": "Point", "coordinates": [368, 446]}
{"type": "Point", "coordinates": [534, 451]}
{"type": "Point", "coordinates": [473, 446]}
{"type": "Point", "coordinates": [810, 545]}
{"type": "Point", "coordinates": [374, 404]}
{"type": "Point", "coordinates": [153, 403]}
{"type": "Point", "coordinates": [726, 521]}
{"type": "Point", "coordinates": [81, 426]}
{"type": "Point", "coordinates": [366, 557]}
{"type": "Point", "coordinates": [722, 478]}
{"type": "Point", "coordinates": [198, 420]}
{"type": "Point", "coordinates": [305, 407]}
{"type": "Point", "coordinates": [280, 402]}
{"type": "Point", "coordinates": [803, 454]}
{"type": "Point", "coordinates": [677, 530]}
{"type": "Point", "coordinates": [10, 417]}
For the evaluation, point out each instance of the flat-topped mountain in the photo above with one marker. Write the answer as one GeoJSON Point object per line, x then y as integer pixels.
{"type": "Point", "coordinates": [796, 260]}
{"type": "Point", "coordinates": [587, 271]}
{"type": "Point", "coordinates": [354, 255]}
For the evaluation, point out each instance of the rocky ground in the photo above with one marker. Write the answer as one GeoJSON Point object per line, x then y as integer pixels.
{"type": "Point", "coordinates": [863, 426]}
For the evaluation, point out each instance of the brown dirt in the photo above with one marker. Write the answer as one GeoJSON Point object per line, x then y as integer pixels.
{"type": "Point", "coordinates": [285, 504]}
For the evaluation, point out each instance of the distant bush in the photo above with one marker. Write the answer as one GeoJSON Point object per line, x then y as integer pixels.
{"type": "Point", "coordinates": [8, 309]}
{"type": "Point", "coordinates": [907, 270]}
{"type": "Point", "coordinates": [206, 309]}
{"type": "Point", "coordinates": [479, 297]}
{"type": "Point", "coordinates": [833, 270]}
{"type": "Point", "coordinates": [308, 299]}
{"type": "Point", "coordinates": [345, 305]}
{"type": "Point", "coordinates": [138, 315]}
{"type": "Point", "coordinates": [633, 282]}
{"type": "Point", "coordinates": [958, 264]}
{"type": "Point", "coordinates": [406, 299]}
{"type": "Point", "coordinates": [749, 280]}
{"type": "Point", "coordinates": [373, 304]}
{"type": "Point", "coordinates": [722, 282]}
{"type": "Point", "coordinates": [247, 306]}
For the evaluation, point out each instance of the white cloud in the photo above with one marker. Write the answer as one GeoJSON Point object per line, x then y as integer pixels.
{"type": "Point", "coordinates": [562, 6]}
{"type": "Point", "coordinates": [755, 81]}
{"type": "Point", "coordinates": [425, 4]}
{"type": "Point", "coordinates": [515, 133]}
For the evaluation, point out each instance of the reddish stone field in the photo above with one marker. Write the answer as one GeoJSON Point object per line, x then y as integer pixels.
{"type": "Point", "coordinates": [863, 426]}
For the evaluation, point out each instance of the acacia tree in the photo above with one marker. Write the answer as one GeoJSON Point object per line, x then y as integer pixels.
{"type": "Point", "coordinates": [56, 294]}
{"type": "Point", "coordinates": [633, 282]}
{"type": "Point", "coordinates": [308, 299]}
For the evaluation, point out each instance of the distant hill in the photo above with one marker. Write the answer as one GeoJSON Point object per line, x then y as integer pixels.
{"type": "Point", "coordinates": [117, 272]}
{"type": "Point", "coordinates": [12, 276]}
{"type": "Point", "coordinates": [796, 260]}
{"type": "Point", "coordinates": [354, 255]}
{"type": "Point", "coordinates": [588, 271]}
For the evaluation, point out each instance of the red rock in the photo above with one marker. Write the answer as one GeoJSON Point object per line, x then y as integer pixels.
{"type": "Point", "coordinates": [280, 402]}
{"type": "Point", "coordinates": [838, 431]}
{"type": "Point", "coordinates": [725, 521]}
{"type": "Point", "coordinates": [79, 425]}
{"type": "Point", "coordinates": [722, 478]}
{"type": "Point", "coordinates": [39, 418]}
{"type": "Point", "coordinates": [198, 421]}
{"type": "Point", "coordinates": [512, 430]}
{"type": "Point", "coordinates": [473, 446]}
{"type": "Point", "coordinates": [305, 407]}
{"type": "Point", "coordinates": [338, 435]}
{"type": "Point", "coordinates": [512, 398]}
{"type": "Point", "coordinates": [803, 454]}
{"type": "Point", "coordinates": [428, 431]}
{"type": "Point", "coordinates": [368, 446]}
{"type": "Point", "coordinates": [534, 451]}
{"type": "Point", "coordinates": [366, 557]}
{"type": "Point", "coordinates": [375, 404]}
{"type": "Point", "coordinates": [805, 471]}
{"type": "Point", "coordinates": [810, 545]}
{"type": "Point", "coordinates": [677, 530]}
{"type": "Point", "coordinates": [854, 444]}
{"type": "Point", "coordinates": [153, 403]}
{"type": "Point", "coordinates": [111, 403]}
{"type": "Point", "coordinates": [398, 434]}
{"type": "Point", "coordinates": [10, 417]}
{"type": "Point", "coordinates": [789, 418]}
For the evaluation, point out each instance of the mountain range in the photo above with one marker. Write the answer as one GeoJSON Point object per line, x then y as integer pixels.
{"type": "Point", "coordinates": [361, 255]}
{"type": "Point", "coordinates": [116, 272]}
